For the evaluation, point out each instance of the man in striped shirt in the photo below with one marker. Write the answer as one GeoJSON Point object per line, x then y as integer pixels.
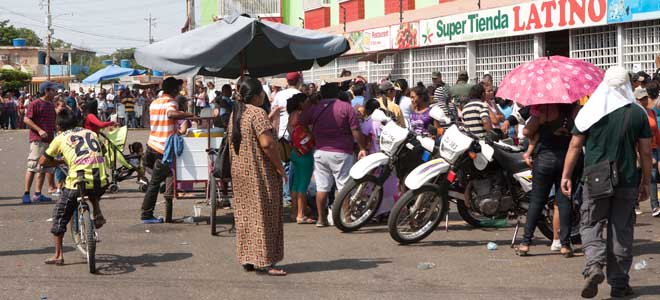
{"type": "Point", "coordinates": [442, 98]}
{"type": "Point", "coordinates": [162, 114]}
{"type": "Point", "coordinates": [129, 103]}
{"type": "Point", "coordinates": [475, 113]}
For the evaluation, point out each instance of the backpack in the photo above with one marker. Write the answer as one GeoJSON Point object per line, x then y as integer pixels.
{"type": "Point", "coordinates": [222, 164]}
{"type": "Point", "coordinates": [302, 140]}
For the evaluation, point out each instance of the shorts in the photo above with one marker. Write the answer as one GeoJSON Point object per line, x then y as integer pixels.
{"type": "Point", "coordinates": [37, 148]}
{"type": "Point", "coordinates": [331, 168]}
{"type": "Point", "coordinates": [64, 208]}
{"type": "Point", "coordinates": [303, 166]}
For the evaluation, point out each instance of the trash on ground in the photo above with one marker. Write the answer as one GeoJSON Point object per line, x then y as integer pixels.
{"type": "Point", "coordinates": [641, 265]}
{"type": "Point", "coordinates": [491, 246]}
{"type": "Point", "coordinates": [49, 220]}
{"type": "Point", "coordinates": [425, 266]}
{"type": "Point", "coordinates": [147, 230]}
{"type": "Point", "coordinates": [184, 243]}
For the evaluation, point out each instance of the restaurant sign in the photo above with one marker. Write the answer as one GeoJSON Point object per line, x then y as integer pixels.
{"type": "Point", "coordinates": [526, 18]}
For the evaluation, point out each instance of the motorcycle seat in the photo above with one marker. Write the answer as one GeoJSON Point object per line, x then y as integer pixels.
{"type": "Point", "coordinates": [510, 161]}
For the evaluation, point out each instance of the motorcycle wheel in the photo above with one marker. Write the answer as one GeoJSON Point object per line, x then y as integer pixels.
{"type": "Point", "coordinates": [468, 215]}
{"type": "Point", "coordinates": [406, 228]}
{"type": "Point", "coordinates": [351, 214]}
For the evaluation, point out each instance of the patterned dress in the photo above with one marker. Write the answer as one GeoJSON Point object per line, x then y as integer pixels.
{"type": "Point", "coordinates": [257, 194]}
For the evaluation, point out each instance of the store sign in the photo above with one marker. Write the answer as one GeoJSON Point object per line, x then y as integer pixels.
{"type": "Point", "coordinates": [356, 41]}
{"type": "Point", "coordinates": [405, 36]}
{"type": "Point", "coordinates": [376, 39]}
{"type": "Point", "coordinates": [526, 18]}
{"type": "Point", "coordinates": [632, 10]}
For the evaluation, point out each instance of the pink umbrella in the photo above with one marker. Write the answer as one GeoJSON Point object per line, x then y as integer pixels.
{"type": "Point", "coordinates": [550, 80]}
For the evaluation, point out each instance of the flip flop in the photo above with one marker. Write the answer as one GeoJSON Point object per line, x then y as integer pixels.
{"type": "Point", "coordinates": [54, 261]}
{"type": "Point", "coordinates": [305, 220]}
{"type": "Point", "coordinates": [271, 271]}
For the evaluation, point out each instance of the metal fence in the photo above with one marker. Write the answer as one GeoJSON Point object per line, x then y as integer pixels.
{"type": "Point", "coordinates": [596, 45]}
{"type": "Point", "coordinates": [641, 45]}
{"type": "Point", "coordinates": [499, 56]}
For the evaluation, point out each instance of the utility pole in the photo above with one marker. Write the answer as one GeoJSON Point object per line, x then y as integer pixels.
{"type": "Point", "coordinates": [151, 25]}
{"type": "Point", "coordinates": [400, 11]}
{"type": "Point", "coordinates": [49, 28]}
{"type": "Point", "coordinates": [344, 19]}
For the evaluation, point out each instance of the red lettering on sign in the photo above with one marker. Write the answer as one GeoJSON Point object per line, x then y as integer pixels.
{"type": "Point", "coordinates": [516, 16]}
{"type": "Point", "coordinates": [548, 6]}
{"type": "Point", "coordinates": [562, 13]}
{"type": "Point", "coordinates": [534, 18]}
{"type": "Point", "coordinates": [597, 15]}
{"type": "Point", "coordinates": [577, 10]}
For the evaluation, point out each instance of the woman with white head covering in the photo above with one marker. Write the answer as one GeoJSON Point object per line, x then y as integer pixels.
{"type": "Point", "coordinates": [614, 130]}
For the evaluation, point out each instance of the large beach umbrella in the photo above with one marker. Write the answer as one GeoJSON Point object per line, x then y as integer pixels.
{"type": "Point", "coordinates": [240, 45]}
{"type": "Point", "coordinates": [550, 80]}
{"type": "Point", "coordinates": [111, 72]}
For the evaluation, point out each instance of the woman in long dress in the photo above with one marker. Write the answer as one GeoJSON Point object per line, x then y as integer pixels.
{"type": "Point", "coordinates": [256, 176]}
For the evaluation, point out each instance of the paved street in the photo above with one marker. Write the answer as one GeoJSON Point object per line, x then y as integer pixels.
{"type": "Point", "coordinates": [183, 261]}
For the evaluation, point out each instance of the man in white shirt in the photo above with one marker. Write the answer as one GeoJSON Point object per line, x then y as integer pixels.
{"type": "Point", "coordinates": [293, 79]}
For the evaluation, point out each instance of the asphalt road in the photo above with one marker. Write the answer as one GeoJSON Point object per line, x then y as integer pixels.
{"type": "Point", "coordinates": [183, 261]}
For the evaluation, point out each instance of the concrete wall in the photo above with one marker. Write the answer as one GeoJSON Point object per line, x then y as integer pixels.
{"type": "Point", "coordinates": [374, 8]}
{"type": "Point", "coordinates": [208, 9]}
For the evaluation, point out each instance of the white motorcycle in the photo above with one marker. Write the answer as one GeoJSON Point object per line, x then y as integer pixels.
{"type": "Point", "coordinates": [487, 179]}
{"type": "Point", "coordinates": [361, 197]}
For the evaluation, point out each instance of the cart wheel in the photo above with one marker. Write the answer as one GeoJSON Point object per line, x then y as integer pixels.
{"type": "Point", "coordinates": [113, 188]}
{"type": "Point", "coordinates": [142, 188]}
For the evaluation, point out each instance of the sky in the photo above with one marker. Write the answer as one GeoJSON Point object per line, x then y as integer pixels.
{"type": "Point", "coordinates": [99, 25]}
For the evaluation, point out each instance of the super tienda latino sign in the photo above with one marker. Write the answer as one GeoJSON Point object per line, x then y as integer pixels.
{"type": "Point", "coordinates": [526, 18]}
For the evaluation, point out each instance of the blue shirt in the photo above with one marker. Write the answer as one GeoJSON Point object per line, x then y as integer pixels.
{"type": "Point", "coordinates": [358, 100]}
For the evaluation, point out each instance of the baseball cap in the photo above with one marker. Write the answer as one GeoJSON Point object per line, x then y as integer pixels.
{"type": "Point", "coordinates": [436, 75]}
{"type": "Point", "coordinates": [49, 85]}
{"type": "Point", "coordinates": [641, 93]}
{"type": "Point", "coordinates": [293, 76]}
{"type": "Point", "coordinates": [386, 85]}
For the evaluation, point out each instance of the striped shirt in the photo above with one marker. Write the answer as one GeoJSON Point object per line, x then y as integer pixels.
{"type": "Point", "coordinates": [441, 93]}
{"type": "Point", "coordinates": [129, 104]}
{"type": "Point", "coordinates": [161, 126]}
{"type": "Point", "coordinates": [474, 114]}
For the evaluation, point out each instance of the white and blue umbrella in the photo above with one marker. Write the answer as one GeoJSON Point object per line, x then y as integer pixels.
{"type": "Point", "coordinates": [111, 72]}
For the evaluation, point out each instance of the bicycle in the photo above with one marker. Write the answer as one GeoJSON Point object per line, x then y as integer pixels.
{"type": "Point", "coordinates": [82, 227]}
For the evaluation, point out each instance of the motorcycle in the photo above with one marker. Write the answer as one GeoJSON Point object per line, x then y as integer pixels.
{"type": "Point", "coordinates": [362, 195]}
{"type": "Point", "coordinates": [487, 179]}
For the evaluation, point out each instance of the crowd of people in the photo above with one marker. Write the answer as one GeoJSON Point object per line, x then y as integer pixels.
{"type": "Point", "coordinates": [287, 141]}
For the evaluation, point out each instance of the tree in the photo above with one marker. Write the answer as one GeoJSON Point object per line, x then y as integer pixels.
{"type": "Point", "coordinates": [9, 32]}
{"type": "Point", "coordinates": [12, 79]}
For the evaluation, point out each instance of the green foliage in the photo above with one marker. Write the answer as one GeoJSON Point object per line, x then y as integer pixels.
{"type": "Point", "coordinates": [57, 43]}
{"type": "Point", "coordinates": [14, 79]}
{"type": "Point", "coordinates": [9, 32]}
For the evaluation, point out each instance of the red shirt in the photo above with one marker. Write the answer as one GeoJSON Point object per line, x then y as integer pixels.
{"type": "Point", "coordinates": [42, 113]}
{"type": "Point", "coordinates": [653, 122]}
{"type": "Point", "coordinates": [94, 124]}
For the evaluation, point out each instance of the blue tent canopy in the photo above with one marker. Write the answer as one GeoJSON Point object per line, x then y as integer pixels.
{"type": "Point", "coordinates": [111, 72]}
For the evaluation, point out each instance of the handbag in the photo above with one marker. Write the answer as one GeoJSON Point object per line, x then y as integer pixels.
{"type": "Point", "coordinates": [601, 178]}
{"type": "Point", "coordinates": [284, 149]}
{"type": "Point", "coordinates": [222, 164]}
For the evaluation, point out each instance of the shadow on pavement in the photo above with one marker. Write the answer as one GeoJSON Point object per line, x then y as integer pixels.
{"type": "Point", "coordinates": [335, 265]}
{"type": "Point", "coordinates": [649, 290]}
{"type": "Point", "coordinates": [45, 250]}
{"type": "Point", "coordinates": [110, 264]}
{"type": "Point", "coordinates": [642, 247]}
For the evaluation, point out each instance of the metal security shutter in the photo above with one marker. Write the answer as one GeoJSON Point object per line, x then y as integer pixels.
{"type": "Point", "coordinates": [396, 66]}
{"type": "Point", "coordinates": [500, 56]}
{"type": "Point", "coordinates": [448, 60]}
{"type": "Point", "coordinates": [325, 71]}
{"type": "Point", "coordinates": [641, 45]}
{"type": "Point", "coordinates": [596, 45]}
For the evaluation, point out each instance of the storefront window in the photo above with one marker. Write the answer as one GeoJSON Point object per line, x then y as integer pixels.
{"type": "Point", "coordinates": [641, 45]}
{"type": "Point", "coordinates": [499, 56]}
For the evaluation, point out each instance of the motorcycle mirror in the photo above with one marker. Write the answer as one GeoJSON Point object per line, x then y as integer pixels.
{"type": "Point", "coordinates": [439, 115]}
{"type": "Point", "coordinates": [379, 116]}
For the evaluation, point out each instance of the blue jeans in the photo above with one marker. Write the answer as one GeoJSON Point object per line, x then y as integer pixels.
{"type": "Point", "coordinates": [131, 121]}
{"type": "Point", "coordinates": [286, 186]}
{"type": "Point", "coordinates": [653, 191]}
{"type": "Point", "coordinates": [546, 172]}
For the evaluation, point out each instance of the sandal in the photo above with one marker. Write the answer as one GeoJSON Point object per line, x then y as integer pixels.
{"type": "Point", "coordinates": [305, 220]}
{"type": "Point", "coordinates": [566, 251]}
{"type": "Point", "coordinates": [271, 271]}
{"type": "Point", "coordinates": [522, 250]}
{"type": "Point", "coordinates": [54, 261]}
{"type": "Point", "coordinates": [248, 268]}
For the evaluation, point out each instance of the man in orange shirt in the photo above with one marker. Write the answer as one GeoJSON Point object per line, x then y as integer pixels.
{"type": "Point", "coordinates": [163, 113]}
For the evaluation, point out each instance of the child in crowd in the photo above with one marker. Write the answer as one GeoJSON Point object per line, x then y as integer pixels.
{"type": "Point", "coordinates": [302, 157]}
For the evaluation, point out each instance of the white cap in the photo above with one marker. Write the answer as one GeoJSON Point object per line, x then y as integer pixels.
{"type": "Point", "coordinates": [59, 91]}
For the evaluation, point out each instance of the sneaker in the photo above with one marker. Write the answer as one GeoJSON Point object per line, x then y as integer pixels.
{"type": "Point", "coordinates": [638, 211]}
{"type": "Point", "coordinates": [330, 220]}
{"type": "Point", "coordinates": [26, 199]}
{"type": "Point", "coordinates": [556, 245]}
{"type": "Point", "coordinates": [56, 193]}
{"type": "Point", "coordinates": [594, 278]}
{"type": "Point", "coordinates": [41, 199]}
{"type": "Point", "coordinates": [622, 292]}
{"type": "Point", "coordinates": [152, 220]}
{"type": "Point", "coordinates": [656, 212]}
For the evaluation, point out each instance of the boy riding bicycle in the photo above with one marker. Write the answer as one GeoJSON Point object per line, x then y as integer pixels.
{"type": "Point", "coordinates": [81, 151]}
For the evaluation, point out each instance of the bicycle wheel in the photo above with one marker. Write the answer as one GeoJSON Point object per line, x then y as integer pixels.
{"type": "Point", "coordinates": [214, 203]}
{"type": "Point", "coordinates": [90, 240]}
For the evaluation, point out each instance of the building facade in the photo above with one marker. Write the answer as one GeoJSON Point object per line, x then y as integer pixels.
{"type": "Point", "coordinates": [411, 39]}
